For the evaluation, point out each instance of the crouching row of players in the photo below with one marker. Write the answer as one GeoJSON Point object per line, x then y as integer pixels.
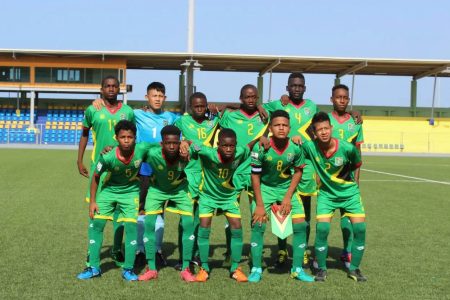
{"type": "Point", "coordinates": [276, 172]}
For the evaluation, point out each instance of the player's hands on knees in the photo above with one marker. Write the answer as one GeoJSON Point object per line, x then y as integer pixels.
{"type": "Point", "coordinates": [297, 139]}
{"type": "Point", "coordinates": [98, 103]}
{"type": "Point", "coordinates": [264, 143]}
{"type": "Point", "coordinates": [106, 150]}
{"type": "Point", "coordinates": [82, 169]}
{"type": "Point", "coordinates": [356, 115]}
{"type": "Point", "coordinates": [284, 100]}
{"type": "Point", "coordinates": [93, 209]}
{"type": "Point", "coordinates": [259, 216]}
{"type": "Point", "coordinates": [285, 207]}
{"type": "Point", "coordinates": [262, 113]}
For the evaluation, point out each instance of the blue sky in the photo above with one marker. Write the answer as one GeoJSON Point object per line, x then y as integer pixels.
{"type": "Point", "coordinates": [375, 29]}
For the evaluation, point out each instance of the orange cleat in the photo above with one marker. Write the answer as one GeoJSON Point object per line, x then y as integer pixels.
{"type": "Point", "coordinates": [148, 275]}
{"type": "Point", "coordinates": [239, 276]}
{"type": "Point", "coordinates": [202, 275]}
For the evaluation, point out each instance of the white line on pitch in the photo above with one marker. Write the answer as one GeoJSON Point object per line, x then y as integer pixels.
{"type": "Point", "coordinates": [392, 180]}
{"type": "Point", "coordinates": [410, 177]}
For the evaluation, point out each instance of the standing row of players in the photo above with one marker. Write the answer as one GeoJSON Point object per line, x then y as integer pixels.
{"type": "Point", "coordinates": [225, 171]}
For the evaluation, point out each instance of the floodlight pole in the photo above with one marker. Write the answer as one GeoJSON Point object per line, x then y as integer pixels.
{"type": "Point", "coordinates": [190, 50]}
{"type": "Point", "coordinates": [433, 101]}
{"type": "Point", "coordinates": [353, 87]}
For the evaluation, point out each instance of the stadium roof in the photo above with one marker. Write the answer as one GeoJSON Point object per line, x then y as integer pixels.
{"type": "Point", "coordinates": [339, 66]}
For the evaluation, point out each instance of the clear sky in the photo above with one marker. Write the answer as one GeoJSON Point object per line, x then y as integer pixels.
{"type": "Point", "coordinates": [347, 28]}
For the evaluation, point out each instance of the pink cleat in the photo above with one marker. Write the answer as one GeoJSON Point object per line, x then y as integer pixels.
{"type": "Point", "coordinates": [148, 275]}
{"type": "Point", "coordinates": [187, 275]}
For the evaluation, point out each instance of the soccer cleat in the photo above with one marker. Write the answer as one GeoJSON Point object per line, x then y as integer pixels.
{"type": "Point", "coordinates": [321, 275]}
{"type": "Point", "coordinates": [179, 266]}
{"type": "Point", "coordinates": [282, 258]}
{"type": "Point", "coordinates": [202, 275]}
{"type": "Point", "coordinates": [301, 275]}
{"type": "Point", "coordinates": [357, 276]}
{"type": "Point", "coordinates": [255, 275]}
{"type": "Point", "coordinates": [196, 261]}
{"type": "Point", "coordinates": [148, 275]}
{"type": "Point", "coordinates": [90, 272]}
{"type": "Point", "coordinates": [160, 259]}
{"type": "Point", "coordinates": [187, 275]}
{"type": "Point", "coordinates": [238, 275]}
{"type": "Point", "coordinates": [129, 275]}
{"type": "Point", "coordinates": [227, 260]}
{"type": "Point", "coordinates": [346, 258]}
{"type": "Point", "coordinates": [118, 258]}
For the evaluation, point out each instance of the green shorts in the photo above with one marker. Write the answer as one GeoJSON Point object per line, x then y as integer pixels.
{"type": "Point", "coordinates": [272, 195]}
{"type": "Point", "coordinates": [194, 178]}
{"type": "Point", "coordinates": [207, 207]}
{"type": "Point", "coordinates": [179, 202]}
{"type": "Point", "coordinates": [308, 184]}
{"type": "Point", "coordinates": [242, 176]}
{"type": "Point", "coordinates": [91, 174]}
{"type": "Point", "coordinates": [352, 206]}
{"type": "Point", "coordinates": [126, 204]}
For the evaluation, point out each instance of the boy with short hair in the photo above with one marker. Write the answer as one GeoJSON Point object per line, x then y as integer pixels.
{"type": "Point", "coordinates": [274, 183]}
{"type": "Point", "coordinates": [119, 191]}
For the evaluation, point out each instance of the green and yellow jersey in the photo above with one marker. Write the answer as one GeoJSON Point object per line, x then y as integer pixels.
{"type": "Point", "coordinates": [300, 115]}
{"type": "Point", "coordinates": [216, 183]}
{"type": "Point", "coordinates": [200, 133]}
{"type": "Point", "coordinates": [276, 165]}
{"type": "Point", "coordinates": [335, 170]}
{"type": "Point", "coordinates": [346, 129]}
{"type": "Point", "coordinates": [102, 123]}
{"type": "Point", "coordinates": [247, 127]}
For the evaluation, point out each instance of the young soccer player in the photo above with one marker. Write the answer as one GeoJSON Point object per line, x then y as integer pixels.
{"type": "Point", "coordinates": [168, 183]}
{"type": "Point", "coordinates": [335, 162]}
{"type": "Point", "coordinates": [274, 183]}
{"type": "Point", "coordinates": [345, 128]}
{"type": "Point", "coordinates": [248, 125]}
{"type": "Point", "coordinates": [300, 112]}
{"type": "Point", "coordinates": [119, 191]}
{"type": "Point", "coordinates": [217, 192]}
{"type": "Point", "coordinates": [102, 123]}
{"type": "Point", "coordinates": [200, 129]}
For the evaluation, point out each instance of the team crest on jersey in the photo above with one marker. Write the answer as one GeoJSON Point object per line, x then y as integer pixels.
{"type": "Point", "coordinates": [240, 121]}
{"type": "Point", "coordinates": [234, 164]}
{"type": "Point", "coordinates": [191, 126]}
{"type": "Point", "coordinates": [160, 167]}
{"type": "Point", "coordinates": [165, 123]}
{"type": "Point", "coordinates": [99, 166]}
{"type": "Point", "coordinates": [307, 111]}
{"type": "Point", "coordinates": [102, 116]}
{"type": "Point", "coordinates": [122, 116]}
{"type": "Point", "coordinates": [290, 157]}
{"type": "Point", "coordinates": [351, 127]}
{"type": "Point", "coordinates": [255, 155]}
{"type": "Point", "coordinates": [338, 161]}
{"type": "Point", "coordinates": [210, 124]}
{"type": "Point", "coordinates": [269, 158]}
{"type": "Point", "coordinates": [137, 163]}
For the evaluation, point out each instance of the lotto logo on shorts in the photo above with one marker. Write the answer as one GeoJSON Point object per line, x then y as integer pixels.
{"type": "Point", "coordinates": [91, 242]}
{"type": "Point", "coordinates": [133, 242]}
{"type": "Point", "coordinates": [192, 237]}
{"type": "Point", "coordinates": [321, 249]}
{"type": "Point", "coordinates": [360, 248]}
{"type": "Point", "coordinates": [253, 244]}
{"type": "Point", "coordinates": [145, 240]}
{"type": "Point", "coordinates": [302, 245]}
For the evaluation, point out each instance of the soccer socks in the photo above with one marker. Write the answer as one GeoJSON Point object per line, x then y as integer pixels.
{"type": "Point", "coordinates": [228, 237]}
{"type": "Point", "coordinates": [196, 225]}
{"type": "Point", "coordinates": [130, 244]}
{"type": "Point", "coordinates": [203, 246]}
{"type": "Point", "coordinates": [159, 232]}
{"type": "Point", "coordinates": [118, 232]}
{"type": "Point", "coordinates": [180, 240]}
{"type": "Point", "coordinates": [236, 248]}
{"type": "Point", "coordinates": [321, 246]}
{"type": "Point", "coordinates": [187, 223]}
{"type": "Point", "coordinates": [149, 241]}
{"type": "Point", "coordinates": [358, 245]}
{"type": "Point", "coordinates": [95, 233]}
{"type": "Point", "coordinates": [347, 233]}
{"type": "Point", "coordinates": [298, 244]}
{"type": "Point", "coordinates": [257, 244]}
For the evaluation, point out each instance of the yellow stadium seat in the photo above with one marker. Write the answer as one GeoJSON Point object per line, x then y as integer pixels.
{"type": "Point", "coordinates": [50, 107]}
{"type": "Point", "coordinates": [7, 126]}
{"type": "Point", "coordinates": [47, 126]}
{"type": "Point", "coordinates": [2, 125]}
{"type": "Point", "coordinates": [27, 122]}
{"type": "Point", "coordinates": [66, 126]}
{"type": "Point", "coordinates": [60, 127]}
{"type": "Point", "coordinates": [14, 125]}
{"type": "Point", "coordinates": [73, 123]}
{"type": "Point", "coordinates": [19, 125]}
{"type": "Point", "coordinates": [53, 126]}
{"type": "Point", "coordinates": [54, 123]}
{"type": "Point", "coordinates": [2, 121]}
{"type": "Point", "coordinates": [60, 123]}
{"type": "Point", "coordinates": [79, 126]}
{"type": "Point", "coordinates": [14, 122]}
{"type": "Point", "coordinates": [21, 122]}
{"type": "Point", "coordinates": [73, 127]}
{"type": "Point", "coordinates": [8, 122]}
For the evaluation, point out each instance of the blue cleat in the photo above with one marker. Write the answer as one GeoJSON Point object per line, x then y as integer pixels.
{"type": "Point", "coordinates": [90, 272]}
{"type": "Point", "coordinates": [301, 275]}
{"type": "Point", "coordinates": [255, 275]}
{"type": "Point", "coordinates": [129, 275]}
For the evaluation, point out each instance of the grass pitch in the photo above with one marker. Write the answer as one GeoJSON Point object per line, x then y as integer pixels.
{"type": "Point", "coordinates": [44, 238]}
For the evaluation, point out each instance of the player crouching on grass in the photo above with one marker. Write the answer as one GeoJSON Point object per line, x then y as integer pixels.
{"type": "Point", "coordinates": [216, 191]}
{"type": "Point", "coordinates": [274, 183]}
{"type": "Point", "coordinates": [168, 183]}
{"type": "Point", "coordinates": [120, 190]}
{"type": "Point", "coordinates": [334, 161]}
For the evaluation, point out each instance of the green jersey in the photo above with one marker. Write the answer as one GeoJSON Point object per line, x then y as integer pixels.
{"type": "Point", "coordinates": [336, 170]}
{"type": "Point", "coordinates": [300, 115]}
{"type": "Point", "coordinates": [102, 123]}
{"type": "Point", "coordinates": [346, 129]}
{"type": "Point", "coordinates": [121, 176]}
{"type": "Point", "coordinates": [276, 165]}
{"type": "Point", "coordinates": [247, 127]}
{"type": "Point", "coordinates": [217, 175]}
{"type": "Point", "coordinates": [199, 133]}
{"type": "Point", "coordinates": [167, 177]}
